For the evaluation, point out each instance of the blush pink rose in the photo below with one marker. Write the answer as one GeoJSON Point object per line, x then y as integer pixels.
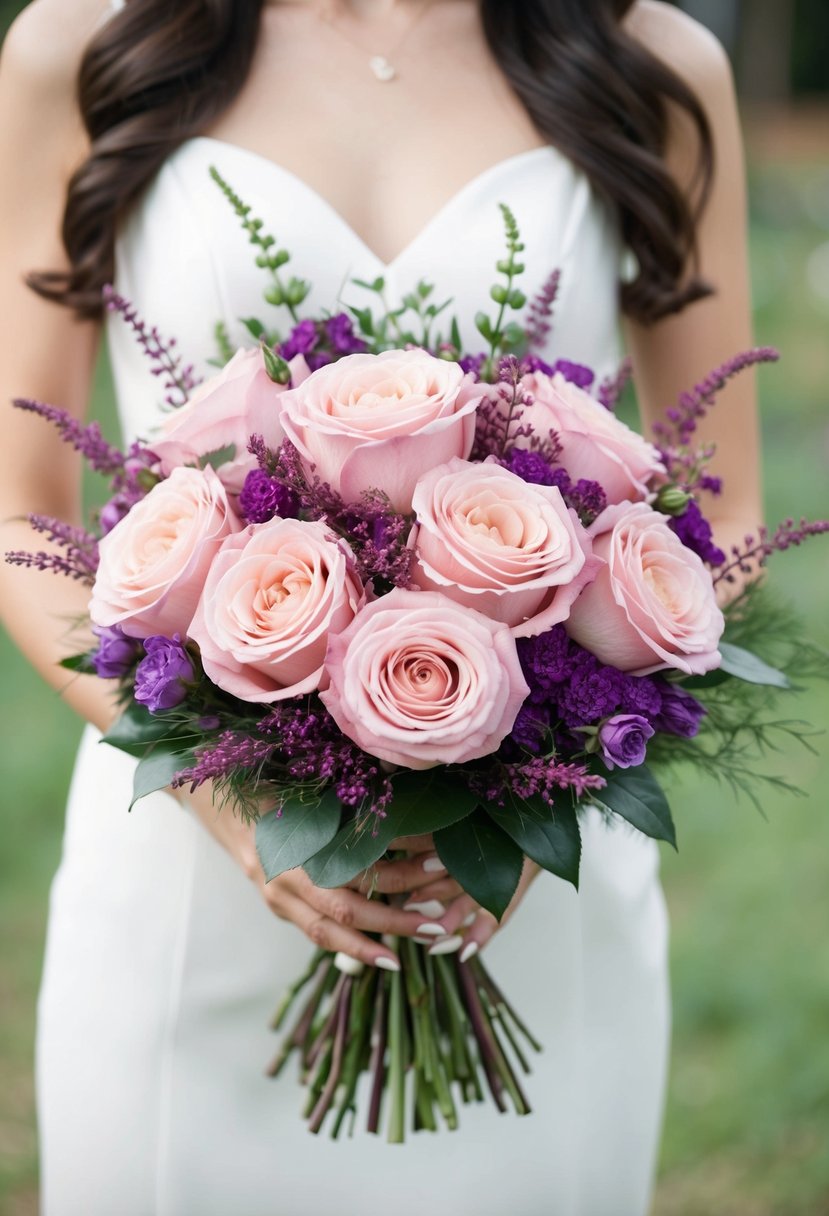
{"type": "Point", "coordinates": [653, 604]}
{"type": "Point", "coordinates": [274, 595]}
{"type": "Point", "coordinates": [594, 443]}
{"type": "Point", "coordinates": [381, 421]}
{"type": "Point", "coordinates": [154, 562]}
{"type": "Point", "coordinates": [419, 680]}
{"type": "Point", "coordinates": [489, 540]}
{"type": "Point", "coordinates": [223, 412]}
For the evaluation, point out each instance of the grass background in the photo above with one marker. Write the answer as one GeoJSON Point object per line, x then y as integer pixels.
{"type": "Point", "coordinates": [747, 1127]}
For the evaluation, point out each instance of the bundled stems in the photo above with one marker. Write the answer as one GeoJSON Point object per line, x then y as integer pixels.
{"type": "Point", "coordinates": [435, 1031]}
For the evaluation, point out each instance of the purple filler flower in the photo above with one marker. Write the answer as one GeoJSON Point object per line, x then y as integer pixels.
{"type": "Point", "coordinates": [262, 497]}
{"type": "Point", "coordinates": [624, 739]}
{"type": "Point", "coordinates": [694, 530]}
{"type": "Point", "coordinates": [162, 676]}
{"type": "Point", "coordinates": [116, 653]}
{"type": "Point", "coordinates": [680, 713]}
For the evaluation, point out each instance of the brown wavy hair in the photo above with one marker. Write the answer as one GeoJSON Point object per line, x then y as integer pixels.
{"type": "Point", "coordinates": [158, 73]}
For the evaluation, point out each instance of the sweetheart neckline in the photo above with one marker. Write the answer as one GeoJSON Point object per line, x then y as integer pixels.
{"type": "Point", "coordinates": [445, 209]}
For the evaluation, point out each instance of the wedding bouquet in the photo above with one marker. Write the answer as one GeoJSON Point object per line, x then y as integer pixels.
{"type": "Point", "coordinates": [371, 586]}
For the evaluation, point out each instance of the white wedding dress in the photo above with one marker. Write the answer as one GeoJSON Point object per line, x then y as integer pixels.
{"type": "Point", "coordinates": [163, 964]}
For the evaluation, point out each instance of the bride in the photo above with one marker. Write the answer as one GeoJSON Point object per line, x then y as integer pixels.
{"type": "Point", "coordinates": [376, 137]}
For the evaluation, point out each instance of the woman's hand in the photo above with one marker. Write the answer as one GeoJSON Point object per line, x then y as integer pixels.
{"type": "Point", "coordinates": [337, 920]}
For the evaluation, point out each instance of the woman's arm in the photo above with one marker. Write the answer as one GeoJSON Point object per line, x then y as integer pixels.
{"type": "Point", "coordinates": [678, 352]}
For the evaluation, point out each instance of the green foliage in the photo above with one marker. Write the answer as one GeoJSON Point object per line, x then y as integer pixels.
{"type": "Point", "coordinates": [484, 860]}
{"type": "Point", "coordinates": [637, 796]}
{"type": "Point", "coordinates": [289, 836]}
{"type": "Point", "coordinates": [550, 837]}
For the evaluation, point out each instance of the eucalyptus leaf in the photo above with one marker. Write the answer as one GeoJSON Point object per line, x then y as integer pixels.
{"type": "Point", "coordinates": [421, 804]}
{"type": "Point", "coordinates": [483, 859]}
{"type": "Point", "coordinates": [286, 839]}
{"type": "Point", "coordinates": [636, 795]}
{"type": "Point", "coordinates": [549, 836]}
{"type": "Point", "coordinates": [254, 327]}
{"type": "Point", "coordinates": [156, 770]}
{"type": "Point", "coordinates": [747, 666]}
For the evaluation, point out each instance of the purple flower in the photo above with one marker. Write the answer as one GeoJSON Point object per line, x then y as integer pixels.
{"type": "Point", "coordinates": [576, 373]}
{"type": "Point", "coordinates": [341, 335]}
{"type": "Point", "coordinates": [113, 512]}
{"type": "Point", "coordinates": [162, 676]}
{"type": "Point", "coordinates": [263, 497]}
{"type": "Point", "coordinates": [531, 726]}
{"type": "Point", "coordinates": [302, 339]}
{"type": "Point", "coordinates": [116, 653]}
{"type": "Point", "coordinates": [529, 466]}
{"type": "Point", "coordinates": [694, 530]}
{"type": "Point", "coordinates": [624, 739]}
{"type": "Point", "coordinates": [680, 713]}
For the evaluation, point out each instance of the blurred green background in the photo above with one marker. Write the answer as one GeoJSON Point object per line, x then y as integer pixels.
{"type": "Point", "coordinates": [747, 1129]}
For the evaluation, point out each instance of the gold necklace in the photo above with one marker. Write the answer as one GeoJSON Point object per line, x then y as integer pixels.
{"type": "Point", "coordinates": [379, 64]}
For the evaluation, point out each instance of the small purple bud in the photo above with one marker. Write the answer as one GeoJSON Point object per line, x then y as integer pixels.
{"type": "Point", "coordinates": [623, 739]}
{"type": "Point", "coordinates": [116, 654]}
{"type": "Point", "coordinates": [680, 713]}
{"type": "Point", "coordinates": [162, 676]}
{"type": "Point", "coordinates": [113, 512]}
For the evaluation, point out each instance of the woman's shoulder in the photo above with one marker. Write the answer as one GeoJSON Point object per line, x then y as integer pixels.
{"type": "Point", "coordinates": [681, 42]}
{"type": "Point", "coordinates": [46, 41]}
{"type": "Point", "coordinates": [39, 63]}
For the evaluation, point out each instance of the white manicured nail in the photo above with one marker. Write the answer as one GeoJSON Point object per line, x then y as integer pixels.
{"type": "Point", "coordinates": [469, 920]}
{"type": "Point", "coordinates": [347, 964]}
{"type": "Point", "coordinates": [431, 931]}
{"type": "Point", "coordinates": [387, 964]}
{"type": "Point", "coordinates": [469, 951]}
{"type": "Point", "coordinates": [432, 908]}
{"type": "Point", "coordinates": [434, 865]}
{"type": "Point", "coordinates": [448, 946]}
{"type": "Point", "coordinates": [424, 941]}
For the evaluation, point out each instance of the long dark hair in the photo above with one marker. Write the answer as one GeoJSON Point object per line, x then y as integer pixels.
{"type": "Point", "coordinates": [158, 73]}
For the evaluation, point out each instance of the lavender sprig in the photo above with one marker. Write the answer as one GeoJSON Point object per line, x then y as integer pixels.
{"type": "Point", "coordinates": [757, 550]}
{"type": "Point", "coordinates": [79, 561]}
{"type": "Point", "coordinates": [538, 324]}
{"type": "Point", "coordinates": [611, 388]}
{"type": "Point", "coordinates": [164, 359]}
{"type": "Point", "coordinates": [84, 438]}
{"type": "Point", "coordinates": [692, 407]}
{"type": "Point", "coordinates": [231, 753]}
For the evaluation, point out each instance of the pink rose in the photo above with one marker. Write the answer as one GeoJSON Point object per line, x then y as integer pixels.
{"type": "Point", "coordinates": [653, 603]}
{"type": "Point", "coordinates": [419, 680]}
{"type": "Point", "coordinates": [381, 421]}
{"type": "Point", "coordinates": [154, 562]}
{"type": "Point", "coordinates": [594, 443]}
{"type": "Point", "coordinates": [223, 412]}
{"type": "Point", "coordinates": [489, 540]}
{"type": "Point", "coordinates": [274, 595]}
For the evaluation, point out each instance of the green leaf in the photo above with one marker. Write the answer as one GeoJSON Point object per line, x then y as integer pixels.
{"type": "Point", "coordinates": [636, 795]}
{"type": "Point", "coordinates": [421, 804]}
{"type": "Point", "coordinates": [483, 859]}
{"type": "Point", "coordinates": [81, 663]}
{"type": "Point", "coordinates": [156, 770]}
{"type": "Point", "coordinates": [483, 325]}
{"type": "Point", "coordinates": [137, 728]}
{"type": "Point", "coordinates": [551, 838]}
{"type": "Point", "coordinates": [216, 459]}
{"type": "Point", "coordinates": [710, 680]}
{"type": "Point", "coordinates": [254, 327]}
{"type": "Point", "coordinates": [747, 666]}
{"type": "Point", "coordinates": [455, 334]}
{"type": "Point", "coordinates": [287, 839]}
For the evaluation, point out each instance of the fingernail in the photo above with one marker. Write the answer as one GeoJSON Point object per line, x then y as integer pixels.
{"type": "Point", "coordinates": [434, 865]}
{"type": "Point", "coordinates": [347, 964]}
{"type": "Point", "coordinates": [431, 930]}
{"type": "Point", "coordinates": [432, 908]}
{"type": "Point", "coordinates": [469, 920]}
{"type": "Point", "coordinates": [448, 946]}
{"type": "Point", "coordinates": [423, 941]}
{"type": "Point", "coordinates": [469, 951]}
{"type": "Point", "coordinates": [387, 964]}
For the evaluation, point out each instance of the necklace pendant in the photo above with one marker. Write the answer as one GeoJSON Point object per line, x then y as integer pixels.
{"type": "Point", "coordinates": [381, 68]}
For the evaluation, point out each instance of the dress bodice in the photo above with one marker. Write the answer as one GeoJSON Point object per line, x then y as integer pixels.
{"type": "Point", "coordinates": [183, 260]}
